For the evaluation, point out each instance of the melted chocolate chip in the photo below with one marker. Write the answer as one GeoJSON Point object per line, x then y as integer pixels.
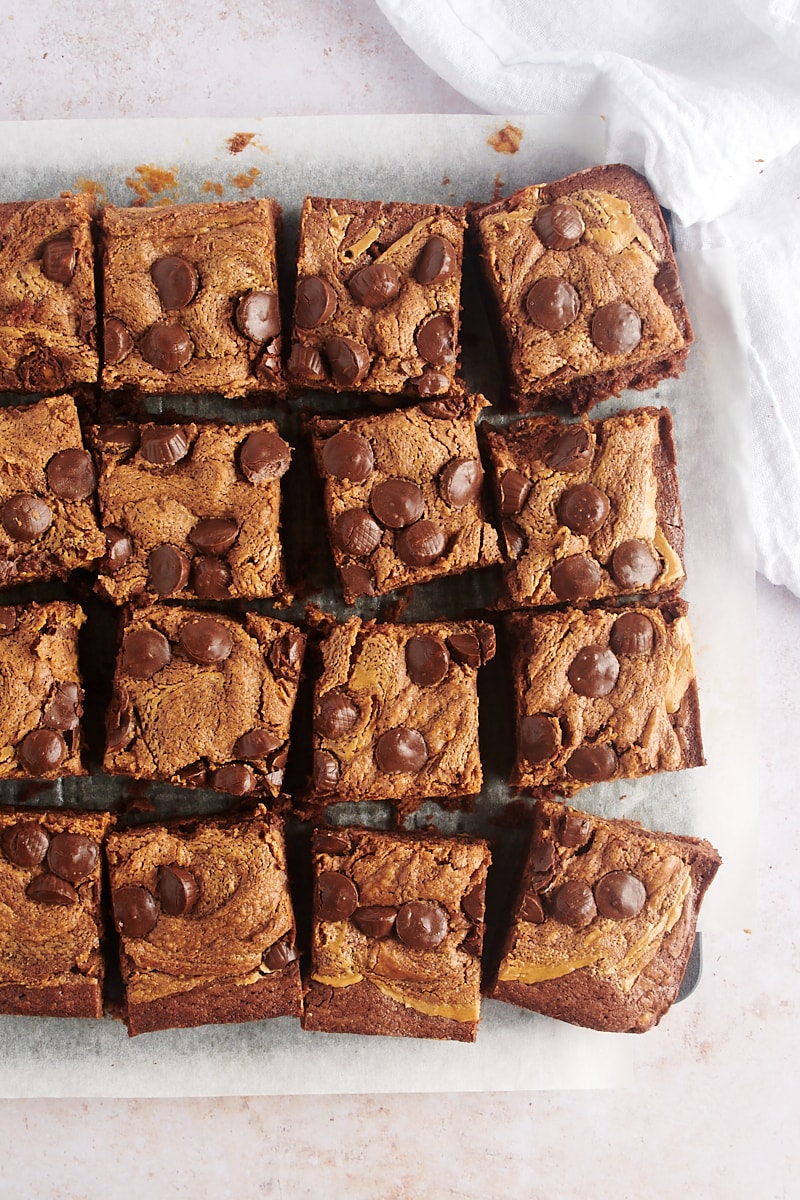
{"type": "Point", "coordinates": [514, 489]}
{"type": "Point", "coordinates": [72, 856]}
{"type": "Point", "coordinates": [436, 261]}
{"type": "Point", "coordinates": [119, 722]}
{"type": "Point", "coordinates": [336, 716]}
{"type": "Point", "coordinates": [176, 281]}
{"type": "Point", "coordinates": [206, 641]}
{"type": "Point", "coordinates": [375, 920]}
{"type": "Point", "coordinates": [215, 535]}
{"type": "Point", "coordinates": [119, 548]}
{"type": "Point", "coordinates": [163, 445]}
{"type": "Point", "coordinates": [121, 438]}
{"type": "Point", "coordinates": [314, 303]}
{"type": "Point", "coordinates": [166, 347]}
{"type": "Point", "coordinates": [135, 911]}
{"type": "Point", "coordinates": [620, 895]}
{"type": "Point", "coordinates": [460, 482]}
{"type": "Point", "coordinates": [264, 455]}
{"type": "Point", "coordinates": [531, 909]}
{"type": "Point", "coordinates": [514, 539]}
{"type": "Point", "coordinates": [168, 570]}
{"type": "Point", "coordinates": [668, 286]}
{"type": "Point", "coordinates": [356, 580]}
{"type": "Point", "coordinates": [583, 509]}
{"type": "Point", "coordinates": [542, 865]}
{"type": "Point", "coordinates": [375, 285]}
{"type": "Point", "coordinates": [634, 565]}
{"type": "Point", "coordinates": [348, 455]}
{"type": "Point", "coordinates": [144, 653]}
{"type": "Point", "coordinates": [575, 578]}
{"type": "Point", "coordinates": [431, 383]}
{"type": "Point", "coordinates": [552, 304]}
{"type": "Point", "coordinates": [400, 750]}
{"type": "Point", "coordinates": [570, 450]}
{"type": "Point", "coordinates": [117, 342]}
{"type": "Point", "coordinates": [575, 830]}
{"type": "Point", "coordinates": [539, 738]}
{"type": "Point", "coordinates": [237, 779]}
{"type": "Point", "coordinates": [324, 771]}
{"type": "Point", "coordinates": [8, 620]}
{"type": "Point", "coordinates": [25, 517]}
{"type": "Point", "coordinates": [435, 341]}
{"type": "Point", "coordinates": [177, 890]}
{"type": "Point", "coordinates": [286, 653]}
{"type": "Point", "coordinates": [616, 328]}
{"type": "Point", "coordinates": [42, 751]}
{"type": "Point", "coordinates": [632, 633]}
{"type": "Point", "coordinates": [335, 896]}
{"type": "Point", "coordinates": [421, 544]}
{"type": "Point", "coordinates": [257, 743]}
{"type": "Point", "coordinates": [348, 361]}
{"type": "Point", "coordinates": [211, 578]}
{"type": "Point", "coordinates": [71, 475]}
{"type": "Point", "coordinates": [195, 775]}
{"type": "Point", "coordinates": [279, 956]}
{"type": "Point", "coordinates": [593, 671]}
{"type": "Point", "coordinates": [427, 660]}
{"type": "Point", "coordinates": [473, 903]}
{"type": "Point", "coordinates": [59, 260]}
{"type": "Point", "coordinates": [64, 709]}
{"type": "Point", "coordinates": [355, 532]}
{"type": "Point", "coordinates": [592, 764]}
{"type": "Point", "coordinates": [305, 364]}
{"type": "Point", "coordinates": [559, 226]}
{"type": "Point", "coordinates": [466, 649]}
{"type": "Point", "coordinates": [330, 841]}
{"type": "Point", "coordinates": [25, 843]}
{"type": "Point", "coordinates": [49, 889]}
{"type": "Point", "coordinates": [421, 924]}
{"type": "Point", "coordinates": [573, 904]}
{"type": "Point", "coordinates": [397, 502]}
{"type": "Point", "coordinates": [258, 316]}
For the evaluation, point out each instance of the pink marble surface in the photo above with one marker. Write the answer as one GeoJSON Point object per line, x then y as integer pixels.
{"type": "Point", "coordinates": [712, 1110]}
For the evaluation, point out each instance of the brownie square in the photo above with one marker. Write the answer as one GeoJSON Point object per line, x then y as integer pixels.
{"type": "Point", "coordinates": [404, 496]}
{"type": "Point", "coordinates": [51, 924]}
{"type": "Point", "coordinates": [604, 922]}
{"type": "Point", "coordinates": [47, 524]}
{"type": "Point", "coordinates": [191, 511]}
{"type": "Point", "coordinates": [397, 934]}
{"type": "Point", "coordinates": [207, 932]}
{"type": "Point", "coordinates": [396, 712]}
{"type": "Point", "coordinates": [190, 298]}
{"type": "Point", "coordinates": [47, 297]}
{"type": "Point", "coordinates": [41, 697]}
{"type": "Point", "coordinates": [585, 288]}
{"type": "Point", "coordinates": [377, 305]}
{"type": "Point", "coordinates": [600, 695]}
{"type": "Point", "coordinates": [202, 700]}
{"type": "Point", "coordinates": [589, 511]}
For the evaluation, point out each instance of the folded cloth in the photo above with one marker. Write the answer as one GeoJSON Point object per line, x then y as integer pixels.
{"type": "Point", "coordinates": [704, 99]}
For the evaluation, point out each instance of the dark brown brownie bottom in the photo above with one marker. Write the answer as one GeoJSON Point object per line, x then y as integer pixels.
{"type": "Point", "coordinates": [362, 1008]}
{"type": "Point", "coordinates": [78, 1000]}
{"type": "Point", "coordinates": [276, 995]}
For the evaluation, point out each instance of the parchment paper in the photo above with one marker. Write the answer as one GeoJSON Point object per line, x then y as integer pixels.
{"type": "Point", "coordinates": [446, 159]}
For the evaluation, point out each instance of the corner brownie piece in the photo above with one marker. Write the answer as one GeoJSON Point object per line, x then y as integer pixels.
{"type": "Point", "coordinates": [589, 511]}
{"type": "Point", "coordinates": [190, 298]}
{"type": "Point", "coordinates": [397, 934]}
{"type": "Point", "coordinates": [585, 287]}
{"type": "Point", "coordinates": [602, 695]}
{"type": "Point", "coordinates": [604, 922]}
{"type": "Point", "coordinates": [191, 511]}
{"type": "Point", "coordinates": [51, 924]}
{"type": "Point", "coordinates": [404, 496]}
{"type": "Point", "coordinates": [396, 712]}
{"type": "Point", "coordinates": [202, 700]}
{"type": "Point", "coordinates": [377, 305]}
{"type": "Point", "coordinates": [47, 524]}
{"type": "Point", "coordinates": [207, 932]}
{"type": "Point", "coordinates": [41, 697]}
{"type": "Point", "coordinates": [47, 297]}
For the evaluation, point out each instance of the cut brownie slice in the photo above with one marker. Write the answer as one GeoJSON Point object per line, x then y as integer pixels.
{"type": "Point", "coordinates": [604, 922]}
{"type": "Point", "coordinates": [47, 524]}
{"type": "Point", "coordinates": [397, 934]}
{"type": "Point", "coordinates": [204, 700]}
{"type": "Point", "coordinates": [585, 287]}
{"type": "Point", "coordinates": [51, 925]}
{"type": "Point", "coordinates": [47, 298]}
{"type": "Point", "coordinates": [378, 296]}
{"type": "Point", "coordinates": [190, 298]}
{"type": "Point", "coordinates": [602, 695]}
{"type": "Point", "coordinates": [207, 933]}
{"type": "Point", "coordinates": [191, 511]}
{"type": "Point", "coordinates": [404, 496]}
{"type": "Point", "coordinates": [41, 697]}
{"type": "Point", "coordinates": [589, 511]}
{"type": "Point", "coordinates": [396, 712]}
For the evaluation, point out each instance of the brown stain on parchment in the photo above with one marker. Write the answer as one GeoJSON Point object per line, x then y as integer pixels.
{"type": "Point", "coordinates": [153, 183]}
{"type": "Point", "coordinates": [93, 188]}
{"type": "Point", "coordinates": [506, 140]}
{"type": "Point", "coordinates": [245, 180]}
{"type": "Point", "coordinates": [212, 187]}
{"type": "Point", "coordinates": [499, 184]}
{"type": "Point", "coordinates": [238, 142]}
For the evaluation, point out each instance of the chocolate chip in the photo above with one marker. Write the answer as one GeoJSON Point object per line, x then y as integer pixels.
{"type": "Point", "coordinates": [237, 779]}
{"type": "Point", "coordinates": [177, 890]}
{"type": "Point", "coordinates": [267, 367]}
{"type": "Point", "coordinates": [25, 843]}
{"type": "Point", "coordinates": [668, 286]}
{"type": "Point", "coordinates": [400, 750]}
{"type": "Point", "coordinates": [64, 709]}
{"type": "Point", "coordinates": [8, 620]}
{"type": "Point", "coordinates": [71, 475]}
{"type": "Point", "coordinates": [117, 342]}
{"type": "Point", "coordinates": [72, 856]}
{"type": "Point", "coordinates": [421, 544]}
{"type": "Point", "coordinates": [460, 482]}
{"type": "Point", "coordinates": [121, 438]}
{"type": "Point", "coordinates": [375, 285]}
{"type": "Point", "coordinates": [211, 578]}
{"type": "Point", "coordinates": [531, 909]}
{"type": "Point", "coordinates": [559, 226]}
{"type": "Point", "coordinates": [135, 911]}
{"type": "Point", "coordinates": [573, 904]}
{"type": "Point", "coordinates": [25, 517]}
{"type": "Point", "coordinates": [348, 455]}
{"type": "Point", "coordinates": [632, 633]}
{"type": "Point", "coordinates": [330, 841]}
{"type": "Point", "coordinates": [286, 653]}
{"type": "Point", "coordinates": [336, 715]}
{"type": "Point", "coordinates": [397, 502]}
{"type": "Point", "coordinates": [542, 865]}
{"type": "Point", "coordinates": [305, 364]}
{"type": "Point", "coordinates": [166, 347]}
{"type": "Point", "coordinates": [163, 445]}
{"type": "Point", "coordinates": [49, 889]}
{"type": "Point", "coordinates": [575, 578]}
{"type": "Point", "coordinates": [258, 316]}
{"type": "Point", "coordinates": [144, 653]}
{"type": "Point", "coordinates": [538, 737]}
{"type": "Point", "coordinates": [616, 328]}
{"type": "Point", "coordinates": [593, 671]}
{"type": "Point", "coordinates": [514, 489]}
{"type": "Point", "coordinates": [427, 660]}
{"type": "Point", "coordinates": [431, 383]}
{"type": "Point", "coordinates": [435, 341]}
{"type": "Point", "coordinates": [335, 896]}
{"type": "Point", "coordinates": [436, 261]}
{"type": "Point", "coordinates": [375, 920]}
{"type": "Point", "coordinates": [324, 771]}
{"type": "Point", "coordinates": [119, 722]}
{"type": "Point", "coordinates": [575, 830]}
{"type": "Point", "coordinates": [168, 570]}
{"type": "Point", "coordinates": [466, 649]}
{"type": "Point", "coordinates": [634, 565]}
{"type": "Point", "coordinates": [264, 455]}
{"type": "Point", "coordinates": [583, 509]}
{"type": "Point", "coordinates": [206, 641]}
{"type": "Point", "coordinates": [473, 903]}
{"type": "Point", "coordinates": [119, 548]}
{"type": "Point", "coordinates": [314, 303]}
{"type": "Point", "coordinates": [514, 539]}
{"type": "Point", "coordinates": [620, 895]}
{"type": "Point", "coordinates": [421, 924]}
{"type": "Point", "coordinates": [59, 260]}
{"type": "Point", "coordinates": [215, 535]}
{"type": "Point", "coordinates": [356, 580]}
{"type": "Point", "coordinates": [592, 764]}
{"type": "Point", "coordinates": [41, 751]}
{"type": "Point", "coordinates": [552, 304]}
{"type": "Point", "coordinates": [355, 532]}
{"type": "Point", "coordinates": [348, 361]}
{"type": "Point", "coordinates": [570, 450]}
{"type": "Point", "coordinates": [279, 956]}
{"type": "Point", "coordinates": [176, 281]}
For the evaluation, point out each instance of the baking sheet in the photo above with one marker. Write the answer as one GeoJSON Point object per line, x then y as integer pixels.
{"type": "Point", "coordinates": [445, 159]}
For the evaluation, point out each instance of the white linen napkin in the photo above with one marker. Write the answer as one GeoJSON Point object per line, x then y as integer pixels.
{"type": "Point", "coordinates": [704, 99]}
